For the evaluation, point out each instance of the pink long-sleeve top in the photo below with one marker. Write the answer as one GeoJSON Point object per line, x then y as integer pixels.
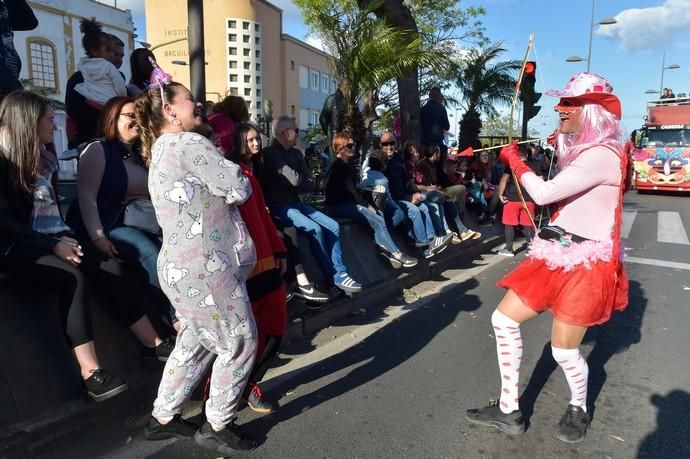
{"type": "Point", "coordinates": [590, 187]}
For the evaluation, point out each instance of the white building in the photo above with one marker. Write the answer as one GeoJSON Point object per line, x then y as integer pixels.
{"type": "Point", "coordinates": [50, 52]}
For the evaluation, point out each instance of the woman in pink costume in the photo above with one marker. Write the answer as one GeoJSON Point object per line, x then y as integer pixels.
{"type": "Point", "coordinates": [573, 268]}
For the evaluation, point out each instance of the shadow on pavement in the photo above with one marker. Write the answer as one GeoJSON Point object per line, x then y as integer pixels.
{"type": "Point", "coordinates": [613, 337]}
{"type": "Point", "coordinates": [670, 440]}
{"type": "Point", "coordinates": [373, 357]}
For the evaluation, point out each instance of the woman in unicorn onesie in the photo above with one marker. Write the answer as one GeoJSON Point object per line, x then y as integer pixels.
{"type": "Point", "coordinates": [206, 256]}
{"type": "Point", "coordinates": [573, 268]}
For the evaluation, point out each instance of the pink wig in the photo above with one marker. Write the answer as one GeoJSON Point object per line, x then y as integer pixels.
{"type": "Point", "coordinates": [598, 127]}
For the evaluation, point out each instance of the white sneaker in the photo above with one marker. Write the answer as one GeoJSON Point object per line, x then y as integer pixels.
{"type": "Point", "coordinates": [506, 253]}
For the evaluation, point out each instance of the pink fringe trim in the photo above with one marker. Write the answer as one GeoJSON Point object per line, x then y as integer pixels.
{"type": "Point", "coordinates": [567, 258]}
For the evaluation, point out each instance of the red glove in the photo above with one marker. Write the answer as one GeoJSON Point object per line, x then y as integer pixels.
{"type": "Point", "coordinates": [509, 155]}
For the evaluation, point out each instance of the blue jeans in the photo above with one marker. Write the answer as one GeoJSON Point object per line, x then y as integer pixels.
{"type": "Point", "coordinates": [374, 219]}
{"type": "Point", "coordinates": [422, 226]}
{"type": "Point", "coordinates": [323, 232]}
{"type": "Point", "coordinates": [448, 212]}
{"type": "Point", "coordinates": [136, 247]}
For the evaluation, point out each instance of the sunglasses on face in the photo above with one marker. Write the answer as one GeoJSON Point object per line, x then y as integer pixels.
{"type": "Point", "coordinates": [129, 115]}
{"type": "Point", "coordinates": [387, 144]}
{"type": "Point", "coordinates": [567, 105]}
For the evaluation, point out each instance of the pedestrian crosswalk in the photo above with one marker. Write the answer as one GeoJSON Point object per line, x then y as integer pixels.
{"type": "Point", "coordinates": [669, 226]}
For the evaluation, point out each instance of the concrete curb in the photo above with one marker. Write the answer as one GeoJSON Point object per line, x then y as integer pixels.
{"type": "Point", "coordinates": [67, 423]}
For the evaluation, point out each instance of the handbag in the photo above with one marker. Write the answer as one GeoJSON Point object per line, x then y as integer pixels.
{"type": "Point", "coordinates": [140, 214]}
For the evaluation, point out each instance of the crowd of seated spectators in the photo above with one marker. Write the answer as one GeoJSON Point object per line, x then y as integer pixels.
{"type": "Point", "coordinates": [410, 189]}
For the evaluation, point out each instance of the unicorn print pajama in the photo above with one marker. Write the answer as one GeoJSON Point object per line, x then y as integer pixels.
{"type": "Point", "coordinates": [206, 256]}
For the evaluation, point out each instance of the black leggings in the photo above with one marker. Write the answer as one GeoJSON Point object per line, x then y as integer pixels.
{"type": "Point", "coordinates": [38, 268]}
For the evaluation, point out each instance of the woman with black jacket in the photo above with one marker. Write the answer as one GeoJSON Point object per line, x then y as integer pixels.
{"type": "Point", "coordinates": [37, 245]}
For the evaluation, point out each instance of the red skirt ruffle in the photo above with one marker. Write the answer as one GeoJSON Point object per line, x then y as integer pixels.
{"type": "Point", "coordinates": [582, 297]}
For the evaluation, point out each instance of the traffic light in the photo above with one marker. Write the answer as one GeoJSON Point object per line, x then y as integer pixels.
{"type": "Point", "coordinates": [528, 96]}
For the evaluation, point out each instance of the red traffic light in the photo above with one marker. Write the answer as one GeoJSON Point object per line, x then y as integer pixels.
{"type": "Point", "coordinates": [530, 67]}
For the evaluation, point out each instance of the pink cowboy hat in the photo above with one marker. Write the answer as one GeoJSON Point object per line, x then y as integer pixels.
{"type": "Point", "coordinates": [590, 88]}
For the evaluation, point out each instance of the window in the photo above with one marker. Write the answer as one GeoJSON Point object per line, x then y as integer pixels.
{"type": "Point", "coordinates": [246, 52]}
{"type": "Point", "coordinates": [42, 64]}
{"type": "Point", "coordinates": [249, 104]}
{"type": "Point", "coordinates": [232, 37]}
{"type": "Point", "coordinates": [324, 83]}
{"type": "Point", "coordinates": [303, 77]}
{"type": "Point", "coordinates": [258, 80]}
{"type": "Point", "coordinates": [257, 41]}
{"type": "Point", "coordinates": [334, 84]}
{"type": "Point", "coordinates": [257, 54]}
{"type": "Point", "coordinates": [247, 91]}
{"type": "Point", "coordinates": [232, 51]}
{"type": "Point", "coordinates": [258, 105]}
{"type": "Point", "coordinates": [258, 67]}
{"type": "Point", "coordinates": [245, 25]}
{"type": "Point", "coordinates": [257, 28]}
{"type": "Point", "coordinates": [303, 118]}
{"type": "Point", "coordinates": [247, 65]}
{"type": "Point", "coordinates": [292, 110]}
{"type": "Point", "coordinates": [247, 79]}
{"type": "Point", "coordinates": [258, 93]}
{"type": "Point", "coordinates": [245, 38]}
{"type": "Point", "coordinates": [232, 24]}
{"type": "Point", "coordinates": [233, 64]}
{"type": "Point", "coordinates": [315, 81]}
{"type": "Point", "coordinates": [292, 65]}
{"type": "Point", "coordinates": [314, 118]}
{"type": "Point", "coordinates": [233, 78]}
{"type": "Point", "coordinates": [233, 91]}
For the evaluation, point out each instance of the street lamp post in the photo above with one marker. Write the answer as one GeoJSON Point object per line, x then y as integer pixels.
{"type": "Point", "coordinates": [592, 24]}
{"type": "Point", "coordinates": [663, 69]}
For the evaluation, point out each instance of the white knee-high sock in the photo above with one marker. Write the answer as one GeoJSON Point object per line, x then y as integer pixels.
{"type": "Point", "coordinates": [509, 352]}
{"type": "Point", "coordinates": [576, 373]}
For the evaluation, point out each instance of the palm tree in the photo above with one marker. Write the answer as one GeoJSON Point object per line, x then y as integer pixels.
{"type": "Point", "coordinates": [367, 52]}
{"type": "Point", "coordinates": [484, 84]}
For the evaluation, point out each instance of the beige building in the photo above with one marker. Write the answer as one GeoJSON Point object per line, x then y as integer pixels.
{"type": "Point", "coordinates": [246, 55]}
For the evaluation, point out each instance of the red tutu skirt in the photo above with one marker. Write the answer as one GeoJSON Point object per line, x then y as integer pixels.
{"type": "Point", "coordinates": [583, 296]}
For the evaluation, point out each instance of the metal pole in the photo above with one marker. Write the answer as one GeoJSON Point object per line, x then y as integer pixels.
{"type": "Point", "coordinates": [663, 67]}
{"type": "Point", "coordinates": [591, 29]}
{"type": "Point", "coordinates": [197, 67]}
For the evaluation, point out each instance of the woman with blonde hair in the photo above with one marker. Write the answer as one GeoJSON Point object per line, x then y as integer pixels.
{"type": "Point", "coordinates": [206, 257]}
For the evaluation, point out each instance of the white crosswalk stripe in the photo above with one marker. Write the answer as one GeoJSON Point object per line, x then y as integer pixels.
{"type": "Point", "coordinates": [670, 228]}
{"type": "Point", "coordinates": [628, 220]}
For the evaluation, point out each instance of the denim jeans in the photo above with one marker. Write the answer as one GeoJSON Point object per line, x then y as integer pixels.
{"type": "Point", "coordinates": [136, 247]}
{"type": "Point", "coordinates": [374, 219]}
{"type": "Point", "coordinates": [323, 232]}
{"type": "Point", "coordinates": [422, 226]}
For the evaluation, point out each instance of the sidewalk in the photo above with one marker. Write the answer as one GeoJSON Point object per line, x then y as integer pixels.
{"type": "Point", "coordinates": [65, 424]}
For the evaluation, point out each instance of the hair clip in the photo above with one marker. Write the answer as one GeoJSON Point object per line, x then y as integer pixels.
{"type": "Point", "coordinates": [159, 77]}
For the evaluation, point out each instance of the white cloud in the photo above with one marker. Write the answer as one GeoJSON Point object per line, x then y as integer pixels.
{"type": "Point", "coordinates": [316, 42]}
{"type": "Point", "coordinates": [644, 29]}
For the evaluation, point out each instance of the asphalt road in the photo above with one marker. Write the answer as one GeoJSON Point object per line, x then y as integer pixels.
{"type": "Point", "coordinates": [395, 382]}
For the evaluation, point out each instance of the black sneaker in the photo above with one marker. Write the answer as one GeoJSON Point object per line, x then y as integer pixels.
{"type": "Point", "coordinates": [160, 352]}
{"type": "Point", "coordinates": [176, 428]}
{"type": "Point", "coordinates": [256, 402]}
{"type": "Point", "coordinates": [227, 441]}
{"type": "Point", "coordinates": [511, 423]}
{"type": "Point", "coordinates": [310, 293]}
{"type": "Point", "coordinates": [101, 385]}
{"type": "Point", "coordinates": [573, 425]}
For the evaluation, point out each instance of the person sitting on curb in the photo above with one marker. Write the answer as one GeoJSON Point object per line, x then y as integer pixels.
{"type": "Point", "coordinates": [285, 175]}
{"type": "Point", "coordinates": [343, 199]}
{"type": "Point", "coordinates": [411, 203]}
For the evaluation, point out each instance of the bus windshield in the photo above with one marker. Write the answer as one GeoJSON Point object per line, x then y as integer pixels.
{"type": "Point", "coordinates": [666, 138]}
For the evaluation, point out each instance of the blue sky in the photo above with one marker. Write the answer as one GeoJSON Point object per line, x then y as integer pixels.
{"type": "Point", "coordinates": [628, 54]}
